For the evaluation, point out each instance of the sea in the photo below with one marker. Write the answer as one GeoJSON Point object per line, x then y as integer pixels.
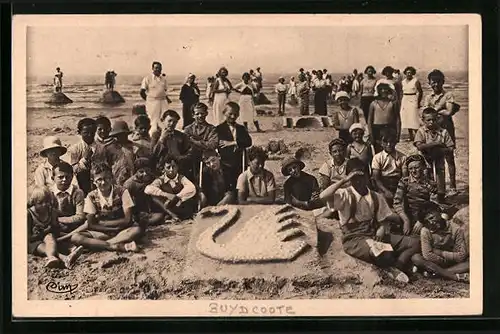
{"type": "Point", "coordinates": [86, 90]}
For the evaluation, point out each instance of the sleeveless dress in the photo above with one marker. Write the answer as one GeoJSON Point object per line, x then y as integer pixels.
{"type": "Point", "coordinates": [220, 100]}
{"type": "Point", "coordinates": [247, 108]}
{"type": "Point", "coordinates": [410, 118]}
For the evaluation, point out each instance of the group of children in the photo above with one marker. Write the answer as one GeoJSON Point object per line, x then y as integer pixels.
{"type": "Point", "coordinates": [115, 183]}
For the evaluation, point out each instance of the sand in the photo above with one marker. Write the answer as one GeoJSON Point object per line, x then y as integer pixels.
{"type": "Point", "coordinates": [159, 271]}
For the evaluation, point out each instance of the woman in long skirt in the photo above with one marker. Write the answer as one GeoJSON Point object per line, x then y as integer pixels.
{"type": "Point", "coordinates": [410, 103]}
{"type": "Point", "coordinates": [320, 95]}
{"type": "Point", "coordinates": [247, 107]}
{"type": "Point", "coordinates": [303, 93]}
{"type": "Point", "coordinates": [222, 89]}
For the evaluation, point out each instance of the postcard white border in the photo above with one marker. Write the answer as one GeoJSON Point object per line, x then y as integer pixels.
{"type": "Point", "coordinates": [22, 307]}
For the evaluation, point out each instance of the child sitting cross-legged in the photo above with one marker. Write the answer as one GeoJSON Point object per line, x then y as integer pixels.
{"type": "Point", "coordinates": [256, 185]}
{"type": "Point", "coordinates": [144, 209]}
{"type": "Point", "coordinates": [109, 216]}
{"type": "Point", "coordinates": [173, 192]}
{"type": "Point", "coordinates": [301, 189]}
{"type": "Point", "coordinates": [215, 186]}
{"type": "Point", "coordinates": [413, 193]}
{"type": "Point", "coordinates": [444, 248]}
{"type": "Point", "coordinates": [43, 229]}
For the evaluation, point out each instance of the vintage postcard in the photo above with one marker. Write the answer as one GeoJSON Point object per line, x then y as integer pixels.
{"type": "Point", "coordinates": [247, 165]}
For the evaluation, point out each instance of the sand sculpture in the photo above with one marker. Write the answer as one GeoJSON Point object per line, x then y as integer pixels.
{"type": "Point", "coordinates": [280, 233]}
{"type": "Point", "coordinates": [307, 122]}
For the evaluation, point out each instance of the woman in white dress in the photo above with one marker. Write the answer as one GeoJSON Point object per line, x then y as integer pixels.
{"type": "Point", "coordinates": [222, 89]}
{"type": "Point", "coordinates": [411, 101]}
{"type": "Point", "coordinates": [292, 92]}
{"type": "Point", "coordinates": [247, 90]}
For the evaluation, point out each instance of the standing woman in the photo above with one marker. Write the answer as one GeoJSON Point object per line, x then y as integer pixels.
{"type": "Point", "coordinates": [292, 90]}
{"type": "Point", "coordinates": [303, 93]}
{"type": "Point", "coordinates": [189, 96]}
{"type": "Point", "coordinates": [320, 94]}
{"type": "Point", "coordinates": [222, 88]}
{"type": "Point", "coordinates": [410, 103]}
{"type": "Point", "coordinates": [367, 89]}
{"type": "Point", "coordinates": [247, 90]}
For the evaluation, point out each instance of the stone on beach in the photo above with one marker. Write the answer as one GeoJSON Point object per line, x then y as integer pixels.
{"type": "Point", "coordinates": [59, 98]}
{"type": "Point", "coordinates": [111, 97]}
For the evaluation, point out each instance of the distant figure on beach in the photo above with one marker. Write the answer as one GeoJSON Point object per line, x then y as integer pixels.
{"type": "Point", "coordinates": [58, 80]}
{"type": "Point", "coordinates": [154, 92]}
{"type": "Point", "coordinates": [209, 92]}
{"type": "Point", "coordinates": [303, 93]}
{"type": "Point", "coordinates": [247, 106]}
{"type": "Point", "coordinates": [109, 80]}
{"type": "Point", "coordinates": [320, 94]}
{"type": "Point", "coordinates": [189, 96]}
{"type": "Point", "coordinates": [222, 89]}
{"type": "Point", "coordinates": [258, 76]}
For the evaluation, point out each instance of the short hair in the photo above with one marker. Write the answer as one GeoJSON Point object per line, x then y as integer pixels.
{"type": "Point", "coordinates": [388, 135]}
{"type": "Point", "coordinates": [256, 152]}
{"type": "Point", "coordinates": [314, 71]}
{"type": "Point", "coordinates": [429, 111]}
{"type": "Point", "coordinates": [429, 211]}
{"type": "Point", "coordinates": [142, 120]}
{"type": "Point", "coordinates": [58, 68]}
{"type": "Point", "coordinates": [63, 166]}
{"type": "Point", "coordinates": [171, 113]}
{"type": "Point", "coordinates": [415, 158]}
{"type": "Point", "coordinates": [100, 167]}
{"type": "Point", "coordinates": [86, 122]}
{"type": "Point", "coordinates": [200, 105]}
{"type": "Point", "coordinates": [245, 75]}
{"type": "Point", "coordinates": [301, 69]}
{"type": "Point", "coordinates": [141, 163]}
{"type": "Point", "coordinates": [103, 120]}
{"type": "Point", "coordinates": [336, 141]}
{"type": "Point", "coordinates": [353, 165]}
{"type": "Point", "coordinates": [40, 195]}
{"type": "Point", "coordinates": [387, 71]}
{"type": "Point", "coordinates": [437, 75]}
{"type": "Point", "coordinates": [232, 106]}
{"type": "Point", "coordinates": [169, 158]}
{"type": "Point", "coordinates": [223, 68]}
{"type": "Point", "coordinates": [156, 63]}
{"type": "Point", "coordinates": [370, 67]}
{"type": "Point", "coordinates": [411, 69]}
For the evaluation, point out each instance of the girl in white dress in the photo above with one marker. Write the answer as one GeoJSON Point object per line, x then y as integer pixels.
{"type": "Point", "coordinates": [247, 89]}
{"type": "Point", "coordinates": [222, 89]}
{"type": "Point", "coordinates": [410, 103]}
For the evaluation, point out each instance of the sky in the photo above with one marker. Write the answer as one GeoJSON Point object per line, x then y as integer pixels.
{"type": "Point", "coordinates": [81, 50]}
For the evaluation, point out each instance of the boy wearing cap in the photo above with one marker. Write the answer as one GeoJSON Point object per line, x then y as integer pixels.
{"type": "Point", "coordinates": [301, 189]}
{"type": "Point", "coordinates": [358, 148]}
{"type": "Point", "coordinates": [281, 88]}
{"type": "Point", "coordinates": [365, 220]}
{"type": "Point", "coordinates": [215, 186]}
{"type": "Point", "coordinates": [344, 117]}
{"type": "Point", "coordinates": [143, 209]}
{"type": "Point", "coordinates": [173, 143]}
{"type": "Point", "coordinates": [122, 153]}
{"type": "Point", "coordinates": [52, 152]}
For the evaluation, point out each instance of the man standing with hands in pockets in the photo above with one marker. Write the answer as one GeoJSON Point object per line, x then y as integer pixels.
{"type": "Point", "coordinates": [154, 92]}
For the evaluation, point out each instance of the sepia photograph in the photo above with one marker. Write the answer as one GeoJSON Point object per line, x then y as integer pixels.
{"type": "Point", "coordinates": [247, 165]}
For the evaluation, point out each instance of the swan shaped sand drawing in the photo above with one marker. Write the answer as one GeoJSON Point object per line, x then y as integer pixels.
{"type": "Point", "coordinates": [273, 235]}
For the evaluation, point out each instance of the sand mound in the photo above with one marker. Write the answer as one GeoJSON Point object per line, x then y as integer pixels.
{"type": "Point", "coordinates": [111, 97]}
{"type": "Point", "coordinates": [59, 98]}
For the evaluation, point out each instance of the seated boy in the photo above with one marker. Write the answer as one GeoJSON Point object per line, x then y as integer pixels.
{"type": "Point", "coordinates": [121, 152]}
{"type": "Point", "coordinates": [434, 143]}
{"type": "Point", "coordinates": [215, 187]}
{"type": "Point", "coordinates": [256, 185]}
{"type": "Point", "coordinates": [142, 141]}
{"type": "Point", "coordinates": [143, 208]}
{"type": "Point", "coordinates": [444, 250]}
{"type": "Point", "coordinates": [301, 189]}
{"type": "Point", "coordinates": [52, 152]}
{"type": "Point", "coordinates": [388, 166]}
{"type": "Point", "coordinates": [173, 192]}
{"type": "Point", "coordinates": [173, 143]}
{"type": "Point", "coordinates": [70, 201]}
{"type": "Point", "coordinates": [109, 216]}
{"type": "Point", "coordinates": [103, 142]}
{"type": "Point", "coordinates": [81, 153]}
{"type": "Point", "coordinates": [365, 220]}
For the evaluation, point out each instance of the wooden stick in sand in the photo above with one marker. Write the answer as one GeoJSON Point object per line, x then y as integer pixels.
{"type": "Point", "coordinates": [200, 180]}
